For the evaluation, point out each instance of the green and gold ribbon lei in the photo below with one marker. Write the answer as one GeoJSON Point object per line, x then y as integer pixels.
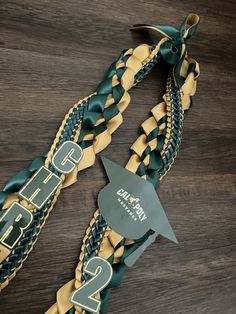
{"type": "Point", "coordinates": [90, 123]}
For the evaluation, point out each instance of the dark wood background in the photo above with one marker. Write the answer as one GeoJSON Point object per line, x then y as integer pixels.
{"type": "Point", "coordinates": [54, 52]}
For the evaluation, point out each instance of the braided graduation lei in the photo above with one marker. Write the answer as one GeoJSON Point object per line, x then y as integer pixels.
{"type": "Point", "coordinates": [153, 153]}
{"type": "Point", "coordinates": [90, 123]}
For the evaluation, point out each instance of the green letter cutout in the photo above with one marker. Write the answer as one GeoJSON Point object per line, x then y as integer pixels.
{"type": "Point", "coordinates": [67, 156]}
{"type": "Point", "coordinates": [101, 272]}
{"type": "Point", "coordinates": [12, 224]}
{"type": "Point", "coordinates": [40, 187]}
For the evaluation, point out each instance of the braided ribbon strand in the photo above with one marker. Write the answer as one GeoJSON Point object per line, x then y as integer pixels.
{"type": "Point", "coordinates": [153, 153]}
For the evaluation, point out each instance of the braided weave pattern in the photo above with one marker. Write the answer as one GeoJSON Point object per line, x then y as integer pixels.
{"type": "Point", "coordinates": [174, 125]}
{"type": "Point", "coordinates": [106, 105]}
{"type": "Point", "coordinates": [115, 98]}
{"type": "Point", "coordinates": [93, 238]}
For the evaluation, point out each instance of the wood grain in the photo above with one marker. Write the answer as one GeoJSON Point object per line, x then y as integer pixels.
{"type": "Point", "coordinates": [54, 52]}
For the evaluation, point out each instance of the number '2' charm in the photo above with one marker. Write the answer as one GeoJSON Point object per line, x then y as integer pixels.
{"type": "Point", "coordinates": [101, 272]}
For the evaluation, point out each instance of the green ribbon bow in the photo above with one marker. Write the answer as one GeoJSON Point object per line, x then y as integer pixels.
{"type": "Point", "coordinates": [174, 50]}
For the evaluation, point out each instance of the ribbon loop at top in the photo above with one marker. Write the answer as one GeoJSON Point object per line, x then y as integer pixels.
{"type": "Point", "coordinates": [174, 50]}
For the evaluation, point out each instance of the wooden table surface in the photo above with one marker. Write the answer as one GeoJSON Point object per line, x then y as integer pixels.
{"type": "Point", "coordinates": [54, 52]}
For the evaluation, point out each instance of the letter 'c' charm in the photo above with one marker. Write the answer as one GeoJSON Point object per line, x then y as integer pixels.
{"type": "Point", "coordinates": [67, 157]}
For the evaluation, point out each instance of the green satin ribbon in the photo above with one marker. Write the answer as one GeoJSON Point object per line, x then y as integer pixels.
{"type": "Point", "coordinates": [174, 50]}
{"type": "Point", "coordinates": [97, 102]}
{"type": "Point", "coordinates": [18, 180]}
